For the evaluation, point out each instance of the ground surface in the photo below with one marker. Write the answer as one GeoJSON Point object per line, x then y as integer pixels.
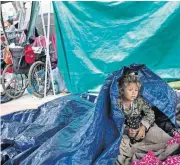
{"type": "Point", "coordinates": [27, 101]}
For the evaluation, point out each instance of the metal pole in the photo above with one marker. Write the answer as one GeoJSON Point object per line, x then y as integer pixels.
{"type": "Point", "coordinates": [51, 76]}
{"type": "Point", "coordinates": [47, 52]}
{"type": "Point", "coordinates": [42, 18]}
{"type": "Point", "coordinates": [2, 23]}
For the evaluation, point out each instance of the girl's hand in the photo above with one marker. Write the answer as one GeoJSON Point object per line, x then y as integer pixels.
{"type": "Point", "coordinates": [132, 132]}
{"type": "Point", "coordinates": [141, 133]}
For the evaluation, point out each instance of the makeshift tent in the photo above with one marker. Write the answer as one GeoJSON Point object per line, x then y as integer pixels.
{"type": "Point", "coordinates": [97, 38]}
{"type": "Point", "coordinates": [74, 130]}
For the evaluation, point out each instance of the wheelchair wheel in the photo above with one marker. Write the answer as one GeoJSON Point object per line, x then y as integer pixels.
{"type": "Point", "coordinates": [1, 88]}
{"type": "Point", "coordinates": [36, 79]}
{"type": "Point", "coordinates": [13, 84]}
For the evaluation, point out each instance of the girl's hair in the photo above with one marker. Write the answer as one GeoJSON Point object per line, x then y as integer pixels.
{"type": "Point", "coordinates": [125, 80]}
{"type": "Point", "coordinates": [10, 21]}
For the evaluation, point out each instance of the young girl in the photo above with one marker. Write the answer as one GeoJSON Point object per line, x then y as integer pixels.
{"type": "Point", "coordinates": [141, 134]}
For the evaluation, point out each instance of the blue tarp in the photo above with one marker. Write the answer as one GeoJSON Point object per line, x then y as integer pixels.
{"type": "Point", "coordinates": [72, 130]}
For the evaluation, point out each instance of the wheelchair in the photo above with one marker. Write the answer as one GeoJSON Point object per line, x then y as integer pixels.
{"type": "Point", "coordinates": [18, 75]}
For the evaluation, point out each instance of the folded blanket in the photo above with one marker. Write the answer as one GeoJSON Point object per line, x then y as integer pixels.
{"type": "Point", "coordinates": [150, 159]}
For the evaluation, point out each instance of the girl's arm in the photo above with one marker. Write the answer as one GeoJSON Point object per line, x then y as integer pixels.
{"type": "Point", "coordinates": [149, 117]}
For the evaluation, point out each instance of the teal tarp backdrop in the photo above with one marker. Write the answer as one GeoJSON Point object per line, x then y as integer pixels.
{"type": "Point", "coordinates": [97, 38]}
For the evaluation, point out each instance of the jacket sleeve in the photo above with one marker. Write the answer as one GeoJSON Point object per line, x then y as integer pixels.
{"type": "Point", "coordinates": [149, 116]}
{"type": "Point", "coordinates": [126, 128]}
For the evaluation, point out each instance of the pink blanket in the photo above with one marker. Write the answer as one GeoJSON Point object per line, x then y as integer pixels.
{"type": "Point", "coordinates": [150, 158]}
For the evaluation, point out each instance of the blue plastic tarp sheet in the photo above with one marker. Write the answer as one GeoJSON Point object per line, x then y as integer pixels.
{"type": "Point", "coordinates": [73, 130]}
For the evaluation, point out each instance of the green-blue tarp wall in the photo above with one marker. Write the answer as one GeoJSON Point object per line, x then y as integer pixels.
{"type": "Point", "coordinates": [97, 38]}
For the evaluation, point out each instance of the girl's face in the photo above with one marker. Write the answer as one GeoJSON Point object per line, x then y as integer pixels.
{"type": "Point", "coordinates": [8, 24]}
{"type": "Point", "coordinates": [131, 91]}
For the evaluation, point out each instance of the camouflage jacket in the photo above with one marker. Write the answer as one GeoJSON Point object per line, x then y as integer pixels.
{"type": "Point", "coordinates": [139, 108]}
